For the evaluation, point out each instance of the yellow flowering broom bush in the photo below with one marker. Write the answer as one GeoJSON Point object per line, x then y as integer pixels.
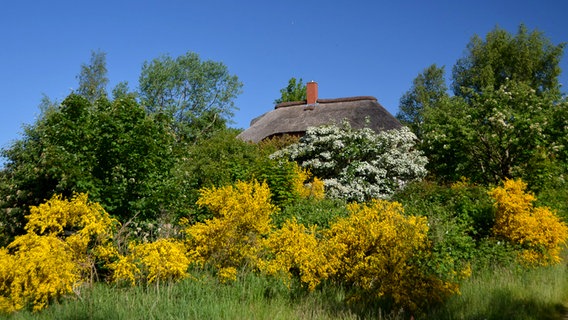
{"type": "Point", "coordinates": [306, 185]}
{"type": "Point", "coordinates": [84, 225]}
{"type": "Point", "coordinates": [231, 239]}
{"type": "Point", "coordinates": [153, 262]}
{"type": "Point", "coordinates": [294, 250]}
{"type": "Point", "coordinates": [383, 252]}
{"type": "Point", "coordinates": [55, 256]}
{"type": "Point", "coordinates": [37, 270]}
{"type": "Point", "coordinates": [540, 233]}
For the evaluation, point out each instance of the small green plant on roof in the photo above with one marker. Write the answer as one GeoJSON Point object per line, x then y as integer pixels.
{"type": "Point", "coordinates": [358, 165]}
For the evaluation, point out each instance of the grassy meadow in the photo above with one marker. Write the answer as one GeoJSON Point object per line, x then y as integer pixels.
{"type": "Point", "coordinates": [501, 293]}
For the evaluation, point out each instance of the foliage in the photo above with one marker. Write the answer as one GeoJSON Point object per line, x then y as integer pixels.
{"type": "Point", "coordinates": [537, 230]}
{"type": "Point", "coordinates": [555, 196]}
{"type": "Point", "coordinates": [80, 221]}
{"type": "Point", "coordinates": [231, 239]}
{"type": "Point", "coordinates": [198, 94]}
{"type": "Point", "coordinates": [55, 256]}
{"type": "Point", "coordinates": [154, 262]}
{"type": "Point", "coordinates": [381, 252]}
{"type": "Point", "coordinates": [296, 251]}
{"type": "Point", "coordinates": [93, 78]}
{"type": "Point", "coordinates": [506, 116]}
{"type": "Point", "coordinates": [295, 91]}
{"type": "Point", "coordinates": [39, 270]}
{"type": "Point", "coordinates": [358, 164]}
{"type": "Point", "coordinates": [495, 135]}
{"type": "Point", "coordinates": [314, 188]}
{"type": "Point", "coordinates": [110, 149]}
{"type": "Point", "coordinates": [490, 63]}
{"type": "Point", "coordinates": [221, 160]}
{"type": "Point", "coordinates": [428, 88]}
{"type": "Point", "coordinates": [459, 216]}
{"type": "Point", "coordinates": [311, 212]}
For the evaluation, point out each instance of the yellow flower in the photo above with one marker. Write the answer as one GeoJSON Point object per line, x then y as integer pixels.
{"type": "Point", "coordinates": [537, 230]}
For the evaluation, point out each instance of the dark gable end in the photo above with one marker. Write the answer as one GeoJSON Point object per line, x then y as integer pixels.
{"type": "Point", "coordinates": [296, 117]}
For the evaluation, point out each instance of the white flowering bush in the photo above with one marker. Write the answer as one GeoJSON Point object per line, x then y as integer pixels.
{"type": "Point", "coordinates": [358, 165]}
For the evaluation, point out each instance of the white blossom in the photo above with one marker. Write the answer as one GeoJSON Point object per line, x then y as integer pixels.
{"type": "Point", "coordinates": [358, 165]}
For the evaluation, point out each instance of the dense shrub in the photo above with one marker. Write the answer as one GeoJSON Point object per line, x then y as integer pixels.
{"type": "Point", "coordinates": [555, 196]}
{"type": "Point", "coordinates": [358, 165]}
{"type": "Point", "coordinates": [312, 212]}
{"type": "Point", "coordinates": [56, 255]}
{"type": "Point", "coordinates": [306, 185]}
{"type": "Point", "coordinates": [539, 232]}
{"type": "Point", "coordinates": [38, 270]}
{"type": "Point", "coordinates": [294, 250]}
{"type": "Point", "coordinates": [111, 150]}
{"type": "Point", "coordinates": [384, 254]}
{"type": "Point", "coordinates": [230, 240]}
{"type": "Point", "coordinates": [460, 216]}
{"type": "Point", "coordinates": [153, 262]}
{"type": "Point", "coordinates": [222, 160]}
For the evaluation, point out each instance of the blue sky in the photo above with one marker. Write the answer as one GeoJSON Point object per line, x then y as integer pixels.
{"type": "Point", "coordinates": [351, 48]}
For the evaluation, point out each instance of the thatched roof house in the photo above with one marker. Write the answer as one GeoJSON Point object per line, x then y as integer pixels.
{"type": "Point", "coordinates": [295, 117]}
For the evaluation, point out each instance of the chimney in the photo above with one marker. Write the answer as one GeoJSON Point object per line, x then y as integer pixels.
{"type": "Point", "coordinates": [312, 92]}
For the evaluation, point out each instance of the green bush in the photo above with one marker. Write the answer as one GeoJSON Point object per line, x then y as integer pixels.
{"type": "Point", "coordinates": [310, 212]}
{"type": "Point", "coordinates": [554, 194]}
{"type": "Point", "coordinates": [460, 216]}
{"type": "Point", "coordinates": [222, 160]}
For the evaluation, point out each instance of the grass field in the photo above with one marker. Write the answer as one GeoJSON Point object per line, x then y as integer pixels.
{"type": "Point", "coordinates": [501, 293]}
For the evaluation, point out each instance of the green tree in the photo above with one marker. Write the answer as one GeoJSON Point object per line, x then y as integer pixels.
{"type": "Point", "coordinates": [295, 91]}
{"type": "Point", "coordinates": [527, 57]}
{"type": "Point", "coordinates": [504, 121]}
{"type": "Point", "coordinates": [93, 77]}
{"type": "Point", "coordinates": [112, 150]}
{"type": "Point", "coordinates": [221, 160]}
{"type": "Point", "coordinates": [428, 88]}
{"type": "Point", "coordinates": [197, 94]}
{"type": "Point", "coordinates": [493, 136]}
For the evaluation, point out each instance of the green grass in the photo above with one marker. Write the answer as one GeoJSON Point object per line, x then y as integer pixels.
{"type": "Point", "coordinates": [502, 293]}
{"type": "Point", "coordinates": [510, 293]}
{"type": "Point", "coordinates": [251, 297]}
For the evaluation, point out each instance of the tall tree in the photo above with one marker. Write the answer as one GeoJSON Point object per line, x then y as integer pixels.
{"type": "Point", "coordinates": [198, 94]}
{"type": "Point", "coordinates": [526, 57]}
{"type": "Point", "coordinates": [503, 120]}
{"type": "Point", "coordinates": [112, 150]}
{"type": "Point", "coordinates": [93, 77]}
{"type": "Point", "coordinates": [427, 90]}
{"type": "Point", "coordinates": [491, 136]}
{"type": "Point", "coordinates": [294, 91]}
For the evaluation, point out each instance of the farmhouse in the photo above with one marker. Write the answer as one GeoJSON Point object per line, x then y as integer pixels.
{"type": "Point", "coordinates": [294, 118]}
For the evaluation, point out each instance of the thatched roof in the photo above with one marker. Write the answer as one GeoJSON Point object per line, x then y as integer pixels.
{"type": "Point", "coordinates": [295, 117]}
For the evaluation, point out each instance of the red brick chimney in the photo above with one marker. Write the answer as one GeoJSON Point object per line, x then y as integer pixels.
{"type": "Point", "coordinates": [312, 92]}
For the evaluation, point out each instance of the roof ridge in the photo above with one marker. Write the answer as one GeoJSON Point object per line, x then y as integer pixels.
{"type": "Point", "coordinates": [323, 101]}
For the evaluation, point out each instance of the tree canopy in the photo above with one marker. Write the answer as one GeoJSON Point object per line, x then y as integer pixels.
{"type": "Point", "coordinates": [428, 88]}
{"type": "Point", "coordinates": [503, 121]}
{"type": "Point", "coordinates": [93, 77]}
{"type": "Point", "coordinates": [358, 165]}
{"type": "Point", "coordinates": [111, 149]}
{"type": "Point", "coordinates": [198, 94]}
{"type": "Point", "coordinates": [489, 63]}
{"type": "Point", "coordinates": [294, 91]}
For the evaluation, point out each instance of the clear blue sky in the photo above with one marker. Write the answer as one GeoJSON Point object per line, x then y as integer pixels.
{"type": "Point", "coordinates": [351, 48]}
